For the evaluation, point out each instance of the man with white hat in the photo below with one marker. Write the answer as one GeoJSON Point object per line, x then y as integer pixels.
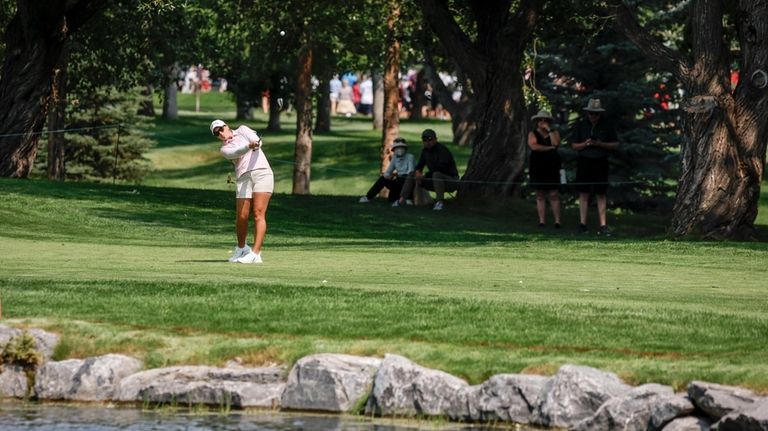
{"type": "Point", "coordinates": [255, 183]}
{"type": "Point", "coordinates": [594, 139]}
{"type": "Point", "coordinates": [393, 178]}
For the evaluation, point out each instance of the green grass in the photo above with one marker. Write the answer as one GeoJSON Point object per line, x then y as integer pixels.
{"type": "Point", "coordinates": [473, 291]}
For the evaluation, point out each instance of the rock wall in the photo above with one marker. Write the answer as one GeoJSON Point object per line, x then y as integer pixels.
{"type": "Point", "coordinates": [576, 397]}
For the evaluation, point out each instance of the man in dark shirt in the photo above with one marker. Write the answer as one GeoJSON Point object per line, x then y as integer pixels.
{"type": "Point", "coordinates": [594, 139]}
{"type": "Point", "coordinates": [442, 175]}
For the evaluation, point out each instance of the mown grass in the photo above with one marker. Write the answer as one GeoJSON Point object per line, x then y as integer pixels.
{"type": "Point", "coordinates": [474, 291]}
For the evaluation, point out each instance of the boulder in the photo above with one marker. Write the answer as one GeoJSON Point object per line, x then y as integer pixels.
{"type": "Point", "coordinates": [503, 397]}
{"type": "Point", "coordinates": [574, 394]}
{"type": "Point", "coordinates": [719, 400]}
{"type": "Point", "coordinates": [329, 382]}
{"type": "Point", "coordinates": [13, 382]}
{"type": "Point", "coordinates": [628, 412]}
{"type": "Point", "coordinates": [195, 385]}
{"type": "Point", "coordinates": [668, 409]}
{"type": "Point", "coordinates": [754, 418]}
{"type": "Point", "coordinates": [46, 341]}
{"type": "Point", "coordinates": [403, 388]}
{"type": "Point", "coordinates": [688, 423]}
{"type": "Point", "coordinates": [92, 379]}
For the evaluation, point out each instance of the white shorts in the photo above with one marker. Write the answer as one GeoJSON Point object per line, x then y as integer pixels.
{"type": "Point", "coordinates": [255, 181]}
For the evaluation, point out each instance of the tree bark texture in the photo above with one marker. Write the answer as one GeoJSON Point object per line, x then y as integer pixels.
{"type": "Point", "coordinates": [56, 124]}
{"type": "Point", "coordinates": [391, 114]}
{"type": "Point", "coordinates": [275, 93]}
{"type": "Point", "coordinates": [378, 101]}
{"type": "Point", "coordinates": [147, 107]}
{"type": "Point", "coordinates": [303, 148]}
{"type": "Point", "coordinates": [34, 40]}
{"type": "Point", "coordinates": [492, 65]}
{"type": "Point", "coordinates": [323, 96]}
{"type": "Point", "coordinates": [171, 101]}
{"type": "Point", "coordinates": [723, 153]}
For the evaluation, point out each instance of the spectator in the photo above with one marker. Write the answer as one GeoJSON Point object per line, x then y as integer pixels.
{"type": "Point", "coordinates": [345, 106]}
{"type": "Point", "coordinates": [442, 176]}
{"type": "Point", "coordinates": [335, 87]}
{"type": "Point", "coordinates": [544, 168]}
{"type": "Point", "coordinates": [393, 178]}
{"type": "Point", "coordinates": [593, 138]}
{"type": "Point", "coordinates": [356, 95]}
{"type": "Point", "coordinates": [366, 96]}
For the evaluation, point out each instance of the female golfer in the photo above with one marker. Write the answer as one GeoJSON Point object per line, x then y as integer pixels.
{"type": "Point", "coordinates": [255, 184]}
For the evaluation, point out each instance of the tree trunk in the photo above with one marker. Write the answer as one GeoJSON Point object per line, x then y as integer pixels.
{"type": "Point", "coordinates": [378, 101]}
{"type": "Point", "coordinates": [171, 101]}
{"type": "Point", "coordinates": [275, 93]}
{"type": "Point", "coordinates": [723, 154]}
{"type": "Point", "coordinates": [497, 162]}
{"type": "Point", "coordinates": [244, 105]}
{"type": "Point", "coordinates": [56, 122]}
{"type": "Point", "coordinates": [491, 63]}
{"type": "Point", "coordinates": [323, 96]}
{"type": "Point", "coordinates": [391, 90]}
{"type": "Point", "coordinates": [419, 99]}
{"type": "Point", "coordinates": [34, 40]}
{"type": "Point", "coordinates": [303, 150]}
{"type": "Point", "coordinates": [147, 106]}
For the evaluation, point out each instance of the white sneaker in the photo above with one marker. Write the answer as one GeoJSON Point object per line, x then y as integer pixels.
{"type": "Point", "coordinates": [251, 257]}
{"type": "Point", "coordinates": [395, 204]}
{"type": "Point", "coordinates": [438, 206]}
{"type": "Point", "coordinates": [364, 200]}
{"type": "Point", "coordinates": [239, 252]}
{"type": "Point", "coordinates": [409, 202]}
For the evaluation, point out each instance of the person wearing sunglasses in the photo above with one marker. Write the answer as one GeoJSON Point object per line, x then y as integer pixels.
{"type": "Point", "coordinates": [593, 139]}
{"type": "Point", "coordinates": [442, 177]}
{"type": "Point", "coordinates": [255, 184]}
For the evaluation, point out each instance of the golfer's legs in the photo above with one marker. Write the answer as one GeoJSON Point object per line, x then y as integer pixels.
{"type": "Point", "coordinates": [241, 223]}
{"type": "Point", "coordinates": [260, 203]}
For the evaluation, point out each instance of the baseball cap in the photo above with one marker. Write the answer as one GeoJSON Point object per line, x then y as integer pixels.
{"type": "Point", "coordinates": [215, 124]}
{"type": "Point", "coordinates": [428, 133]}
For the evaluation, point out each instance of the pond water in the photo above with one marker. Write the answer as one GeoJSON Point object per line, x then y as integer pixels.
{"type": "Point", "coordinates": [33, 417]}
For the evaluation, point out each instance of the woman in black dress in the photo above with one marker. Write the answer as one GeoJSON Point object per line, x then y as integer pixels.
{"type": "Point", "coordinates": [544, 169]}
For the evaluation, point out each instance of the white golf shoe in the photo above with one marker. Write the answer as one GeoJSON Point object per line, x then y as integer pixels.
{"type": "Point", "coordinates": [239, 252]}
{"type": "Point", "coordinates": [251, 257]}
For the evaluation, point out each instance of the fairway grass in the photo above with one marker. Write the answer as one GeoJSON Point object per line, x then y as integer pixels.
{"type": "Point", "coordinates": [143, 271]}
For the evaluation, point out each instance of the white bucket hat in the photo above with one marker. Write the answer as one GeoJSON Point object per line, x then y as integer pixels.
{"type": "Point", "coordinates": [399, 142]}
{"type": "Point", "coordinates": [594, 105]}
{"type": "Point", "coordinates": [542, 115]}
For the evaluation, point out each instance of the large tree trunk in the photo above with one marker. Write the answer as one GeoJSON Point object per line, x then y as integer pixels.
{"type": "Point", "coordinates": [723, 154]}
{"type": "Point", "coordinates": [491, 63]}
{"type": "Point", "coordinates": [391, 96]}
{"type": "Point", "coordinates": [56, 122]}
{"type": "Point", "coordinates": [147, 106]}
{"type": "Point", "coordinates": [464, 114]}
{"type": "Point", "coordinates": [303, 150]}
{"type": "Point", "coordinates": [34, 40]}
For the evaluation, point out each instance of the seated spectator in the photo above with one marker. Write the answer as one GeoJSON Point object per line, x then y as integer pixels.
{"type": "Point", "coordinates": [393, 178]}
{"type": "Point", "coordinates": [442, 176]}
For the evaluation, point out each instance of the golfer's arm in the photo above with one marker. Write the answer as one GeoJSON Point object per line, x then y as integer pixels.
{"type": "Point", "coordinates": [233, 151]}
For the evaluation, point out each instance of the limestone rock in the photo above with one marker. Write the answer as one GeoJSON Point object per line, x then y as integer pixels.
{"type": "Point", "coordinates": [688, 423]}
{"type": "Point", "coordinates": [329, 382]}
{"type": "Point", "coordinates": [403, 388]}
{"type": "Point", "coordinates": [628, 412]}
{"type": "Point", "coordinates": [668, 409]}
{"type": "Point", "coordinates": [503, 397]}
{"type": "Point", "coordinates": [719, 400]}
{"type": "Point", "coordinates": [194, 385]}
{"type": "Point", "coordinates": [13, 382]}
{"type": "Point", "coordinates": [92, 379]}
{"type": "Point", "coordinates": [754, 418]}
{"type": "Point", "coordinates": [46, 341]}
{"type": "Point", "coordinates": [574, 394]}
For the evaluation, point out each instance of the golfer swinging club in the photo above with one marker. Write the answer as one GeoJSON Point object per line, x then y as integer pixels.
{"type": "Point", "coordinates": [255, 184]}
